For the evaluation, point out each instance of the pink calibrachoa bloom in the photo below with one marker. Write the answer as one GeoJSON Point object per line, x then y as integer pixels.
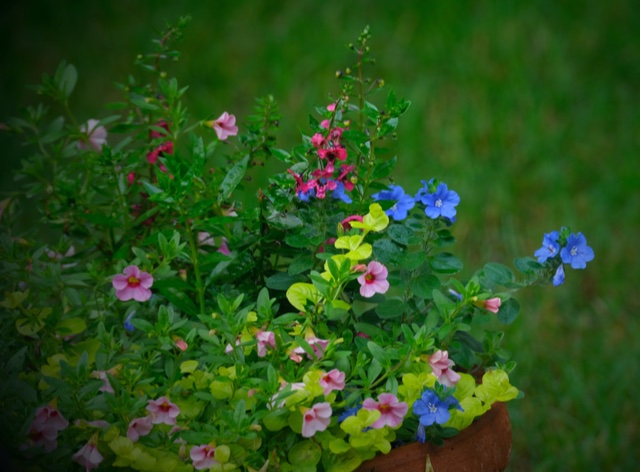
{"type": "Point", "coordinates": [315, 419]}
{"type": "Point", "coordinates": [134, 284]}
{"type": "Point", "coordinates": [492, 304]}
{"type": "Point", "coordinates": [441, 367]}
{"type": "Point", "coordinates": [332, 380]}
{"type": "Point", "coordinates": [374, 280]}
{"type": "Point", "coordinates": [346, 223]}
{"type": "Point", "coordinates": [318, 346]}
{"type": "Point", "coordinates": [88, 456]}
{"type": "Point", "coordinates": [294, 386]}
{"type": "Point", "coordinates": [203, 457]}
{"type": "Point", "coordinates": [163, 411]}
{"type": "Point", "coordinates": [392, 412]}
{"type": "Point", "coordinates": [182, 345]}
{"type": "Point", "coordinates": [51, 417]}
{"type": "Point", "coordinates": [265, 339]}
{"type": "Point", "coordinates": [96, 136]}
{"type": "Point", "coordinates": [102, 375]}
{"type": "Point", "coordinates": [139, 427]}
{"type": "Point", "coordinates": [224, 126]}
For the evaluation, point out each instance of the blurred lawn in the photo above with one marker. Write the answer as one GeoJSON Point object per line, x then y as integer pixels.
{"type": "Point", "coordinates": [531, 112]}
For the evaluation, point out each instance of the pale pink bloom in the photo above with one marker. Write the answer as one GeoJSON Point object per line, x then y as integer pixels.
{"type": "Point", "coordinates": [332, 380]}
{"type": "Point", "coordinates": [224, 249]}
{"type": "Point", "coordinates": [229, 348]}
{"type": "Point", "coordinates": [265, 339]}
{"type": "Point", "coordinates": [163, 411]}
{"type": "Point", "coordinates": [203, 457]}
{"type": "Point", "coordinates": [331, 107]}
{"type": "Point", "coordinates": [102, 375]}
{"type": "Point", "coordinates": [315, 419]}
{"type": "Point", "coordinates": [492, 304]}
{"type": "Point", "coordinates": [96, 136]}
{"type": "Point", "coordinates": [205, 239]}
{"type": "Point", "coordinates": [50, 417]}
{"type": "Point", "coordinates": [359, 268]}
{"type": "Point", "coordinates": [441, 367]}
{"type": "Point", "coordinates": [43, 435]}
{"type": "Point", "coordinates": [58, 256]}
{"type": "Point", "coordinates": [392, 411]}
{"type": "Point", "coordinates": [374, 280]}
{"type": "Point", "coordinates": [318, 346]}
{"type": "Point", "coordinates": [294, 386]}
{"type": "Point", "coordinates": [182, 345]}
{"type": "Point", "coordinates": [317, 140]}
{"type": "Point", "coordinates": [88, 456]}
{"type": "Point", "coordinates": [139, 427]}
{"type": "Point", "coordinates": [325, 124]}
{"type": "Point", "coordinates": [134, 284]}
{"type": "Point", "coordinates": [225, 126]}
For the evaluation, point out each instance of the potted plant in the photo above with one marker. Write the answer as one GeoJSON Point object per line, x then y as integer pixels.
{"type": "Point", "coordinates": [158, 318]}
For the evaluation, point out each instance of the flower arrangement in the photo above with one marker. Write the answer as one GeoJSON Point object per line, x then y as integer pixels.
{"type": "Point", "coordinates": [157, 318]}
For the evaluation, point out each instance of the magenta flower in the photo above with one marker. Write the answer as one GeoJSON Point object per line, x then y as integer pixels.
{"type": "Point", "coordinates": [315, 419]}
{"type": "Point", "coordinates": [134, 284]}
{"type": "Point", "coordinates": [392, 411]}
{"type": "Point", "coordinates": [224, 126]}
{"type": "Point", "coordinates": [224, 249]}
{"type": "Point", "coordinates": [95, 136]}
{"type": "Point", "coordinates": [317, 140]}
{"type": "Point", "coordinates": [374, 280]}
{"type": "Point", "coordinates": [332, 380]}
{"type": "Point", "coordinates": [346, 223]}
{"type": "Point", "coordinates": [203, 457]}
{"type": "Point", "coordinates": [163, 411]}
{"type": "Point", "coordinates": [88, 456]}
{"type": "Point", "coordinates": [492, 304]}
{"type": "Point", "coordinates": [441, 367]}
{"type": "Point", "coordinates": [139, 427]}
{"type": "Point", "coordinates": [333, 153]}
{"type": "Point", "coordinates": [265, 339]}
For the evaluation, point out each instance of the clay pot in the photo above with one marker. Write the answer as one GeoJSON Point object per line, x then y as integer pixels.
{"type": "Point", "coordinates": [484, 446]}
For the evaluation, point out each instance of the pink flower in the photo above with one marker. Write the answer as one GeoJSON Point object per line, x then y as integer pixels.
{"type": "Point", "coordinates": [164, 148]}
{"type": "Point", "coordinates": [205, 239]}
{"type": "Point", "coordinates": [134, 284]}
{"type": "Point", "coordinates": [88, 456]}
{"type": "Point", "coordinates": [131, 178]}
{"type": "Point", "coordinates": [50, 417]}
{"type": "Point", "coordinates": [44, 436]}
{"type": "Point", "coordinates": [163, 411]}
{"type": "Point", "coordinates": [294, 386]}
{"type": "Point", "coordinates": [325, 124]}
{"type": "Point", "coordinates": [95, 136]}
{"type": "Point", "coordinates": [374, 280]}
{"type": "Point", "coordinates": [265, 339]}
{"type": "Point", "coordinates": [317, 140]}
{"type": "Point", "coordinates": [102, 375]}
{"type": "Point", "coordinates": [332, 380]}
{"type": "Point", "coordinates": [391, 411]}
{"type": "Point", "coordinates": [317, 418]}
{"type": "Point", "coordinates": [331, 107]}
{"type": "Point", "coordinates": [182, 345]}
{"type": "Point", "coordinates": [224, 249]}
{"type": "Point", "coordinates": [156, 134]}
{"type": "Point", "coordinates": [346, 223]}
{"type": "Point", "coordinates": [203, 457]}
{"type": "Point", "coordinates": [335, 152]}
{"type": "Point", "coordinates": [139, 427]}
{"type": "Point", "coordinates": [492, 304]}
{"type": "Point", "coordinates": [225, 126]}
{"type": "Point", "coordinates": [318, 346]}
{"type": "Point", "coordinates": [441, 367]}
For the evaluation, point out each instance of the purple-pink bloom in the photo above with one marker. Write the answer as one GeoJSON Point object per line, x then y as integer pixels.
{"type": "Point", "coordinates": [88, 456]}
{"type": "Point", "coordinates": [50, 417]}
{"type": "Point", "coordinates": [315, 419]}
{"type": "Point", "coordinates": [102, 375]}
{"type": "Point", "coordinates": [441, 367]}
{"type": "Point", "coordinates": [224, 249]}
{"type": "Point", "coordinates": [203, 457]}
{"type": "Point", "coordinates": [332, 380]}
{"type": "Point", "coordinates": [492, 304]}
{"type": "Point", "coordinates": [225, 126]}
{"type": "Point", "coordinates": [374, 280]}
{"type": "Point", "coordinates": [265, 339]}
{"type": "Point", "coordinates": [317, 140]}
{"type": "Point", "coordinates": [139, 427]}
{"type": "Point", "coordinates": [46, 425]}
{"type": "Point", "coordinates": [392, 412]}
{"type": "Point", "coordinates": [96, 136]}
{"type": "Point", "coordinates": [163, 411]}
{"type": "Point", "coordinates": [134, 284]}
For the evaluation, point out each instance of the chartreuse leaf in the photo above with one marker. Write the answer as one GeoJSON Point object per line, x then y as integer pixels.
{"type": "Point", "coordinates": [301, 293]}
{"type": "Point", "coordinates": [465, 387]}
{"type": "Point", "coordinates": [71, 326]}
{"type": "Point", "coordinates": [276, 420]}
{"type": "Point", "coordinates": [188, 367]}
{"type": "Point", "coordinates": [354, 425]}
{"type": "Point", "coordinates": [357, 250]}
{"type": "Point", "coordinates": [376, 220]}
{"type": "Point", "coordinates": [305, 455]}
{"type": "Point", "coordinates": [222, 454]}
{"type": "Point", "coordinates": [472, 407]}
{"type": "Point", "coordinates": [495, 387]}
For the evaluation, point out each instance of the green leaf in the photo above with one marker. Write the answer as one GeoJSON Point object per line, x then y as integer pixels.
{"type": "Point", "coordinates": [281, 281]}
{"type": "Point", "coordinates": [445, 263]}
{"type": "Point", "coordinates": [383, 169]}
{"type": "Point", "coordinates": [281, 155]}
{"type": "Point", "coordinates": [527, 265]}
{"type": "Point", "coordinates": [69, 79]}
{"type": "Point", "coordinates": [498, 273]}
{"type": "Point", "coordinates": [233, 178]}
{"type": "Point", "coordinates": [508, 311]}
{"type": "Point", "coordinates": [301, 263]}
{"type": "Point", "coordinates": [400, 234]}
{"type": "Point", "coordinates": [305, 453]}
{"type": "Point", "coordinates": [299, 294]}
{"type": "Point", "coordinates": [276, 420]}
{"type": "Point", "coordinates": [443, 303]}
{"type": "Point", "coordinates": [391, 309]}
{"type": "Point", "coordinates": [378, 353]}
{"type": "Point", "coordinates": [424, 285]}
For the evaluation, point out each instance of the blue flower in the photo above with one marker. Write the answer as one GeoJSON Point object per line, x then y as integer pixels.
{"type": "Point", "coordinates": [558, 278]}
{"type": "Point", "coordinates": [442, 202]}
{"type": "Point", "coordinates": [576, 252]}
{"type": "Point", "coordinates": [348, 412]}
{"type": "Point", "coordinates": [432, 410]}
{"type": "Point", "coordinates": [338, 193]}
{"type": "Point", "coordinates": [304, 196]}
{"type": "Point", "coordinates": [421, 435]}
{"type": "Point", "coordinates": [127, 322]}
{"type": "Point", "coordinates": [404, 202]}
{"type": "Point", "coordinates": [550, 247]}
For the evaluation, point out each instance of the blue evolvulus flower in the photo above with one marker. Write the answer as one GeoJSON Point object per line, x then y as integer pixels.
{"type": "Point", "coordinates": [576, 252]}
{"type": "Point", "coordinates": [433, 410]}
{"type": "Point", "coordinates": [403, 204]}
{"type": "Point", "coordinates": [558, 278]}
{"type": "Point", "coordinates": [550, 247]}
{"type": "Point", "coordinates": [441, 202]}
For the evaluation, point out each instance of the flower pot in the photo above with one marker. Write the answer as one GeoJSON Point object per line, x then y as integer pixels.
{"type": "Point", "coordinates": [484, 446]}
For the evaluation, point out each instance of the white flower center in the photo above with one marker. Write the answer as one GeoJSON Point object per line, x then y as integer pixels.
{"type": "Point", "coordinates": [574, 251]}
{"type": "Point", "coordinates": [552, 249]}
{"type": "Point", "coordinates": [432, 407]}
{"type": "Point", "coordinates": [438, 203]}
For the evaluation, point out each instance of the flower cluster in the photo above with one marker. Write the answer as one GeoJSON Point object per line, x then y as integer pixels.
{"type": "Point", "coordinates": [308, 324]}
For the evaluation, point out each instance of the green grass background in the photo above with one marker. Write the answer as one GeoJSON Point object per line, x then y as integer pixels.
{"type": "Point", "coordinates": [530, 110]}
